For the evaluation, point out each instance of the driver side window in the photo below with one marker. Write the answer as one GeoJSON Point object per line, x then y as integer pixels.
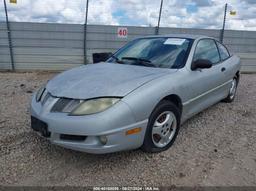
{"type": "Point", "coordinates": [207, 49]}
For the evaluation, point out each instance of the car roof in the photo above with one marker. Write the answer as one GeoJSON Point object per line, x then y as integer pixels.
{"type": "Point", "coordinates": [190, 36]}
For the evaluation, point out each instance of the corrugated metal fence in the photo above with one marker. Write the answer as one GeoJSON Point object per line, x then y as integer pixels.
{"type": "Point", "coordinates": [47, 46]}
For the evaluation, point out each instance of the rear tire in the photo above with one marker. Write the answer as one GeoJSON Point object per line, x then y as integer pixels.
{"type": "Point", "coordinates": [232, 92]}
{"type": "Point", "coordinates": [163, 127]}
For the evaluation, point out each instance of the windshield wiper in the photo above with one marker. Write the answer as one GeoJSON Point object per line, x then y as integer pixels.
{"type": "Point", "coordinates": [116, 59]}
{"type": "Point", "coordinates": [140, 61]}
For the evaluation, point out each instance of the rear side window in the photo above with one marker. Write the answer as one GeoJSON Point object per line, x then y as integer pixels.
{"type": "Point", "coordinates": [207, 49]}
{"type": "Point", "coordinates": [224, 54]}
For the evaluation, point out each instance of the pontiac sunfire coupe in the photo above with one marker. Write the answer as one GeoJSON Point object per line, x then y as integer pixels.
{"type": "Point", "coordinates": [139, 97]}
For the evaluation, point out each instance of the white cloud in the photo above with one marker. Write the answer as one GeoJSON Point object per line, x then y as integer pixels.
{"type": "Point", "coordinates": [176, 13]}
{"type": "Point", "coordinates": [100, 12]}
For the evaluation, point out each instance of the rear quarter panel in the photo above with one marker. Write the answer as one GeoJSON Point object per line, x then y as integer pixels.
{"type": "Point", "coordinates": [233, 65]}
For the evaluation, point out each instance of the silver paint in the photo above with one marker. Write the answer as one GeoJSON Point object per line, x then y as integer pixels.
{"type": "Point", "coordinates": [102, 80]}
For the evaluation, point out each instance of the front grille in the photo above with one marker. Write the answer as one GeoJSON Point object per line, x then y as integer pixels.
{"type": "Point", "coordinates": [65, 105]}
{"type": "Point", "coordinates": [67, 137]}
{"type": "Point", "coordinates": [60, 104]}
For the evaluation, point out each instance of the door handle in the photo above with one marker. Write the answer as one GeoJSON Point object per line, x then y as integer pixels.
{"type": "Point", "coordinates": [223, 69]}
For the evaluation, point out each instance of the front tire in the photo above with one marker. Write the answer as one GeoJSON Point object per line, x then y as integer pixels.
{"type": "Point", "coordinates": [163, 127]}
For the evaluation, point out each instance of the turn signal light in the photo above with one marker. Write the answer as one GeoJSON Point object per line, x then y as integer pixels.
{"type": "Point", "coordinates": [133, 131]}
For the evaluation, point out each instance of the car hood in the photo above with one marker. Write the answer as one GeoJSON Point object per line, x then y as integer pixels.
{"type": "Point", "coordinates": [102, 80]}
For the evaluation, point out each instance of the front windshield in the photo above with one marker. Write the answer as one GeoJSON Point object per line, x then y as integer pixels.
{"type": "Point", "coordinates": [161, 52]}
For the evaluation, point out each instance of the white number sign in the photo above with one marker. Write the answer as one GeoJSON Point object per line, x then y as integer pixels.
{"type": "Point", "coordinates": [122, 32]}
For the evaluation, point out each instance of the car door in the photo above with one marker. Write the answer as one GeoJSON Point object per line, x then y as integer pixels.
{"type": "Point", "coordinates": [228, 67]}
{"type": "Point", "coordinates": [205, 86]}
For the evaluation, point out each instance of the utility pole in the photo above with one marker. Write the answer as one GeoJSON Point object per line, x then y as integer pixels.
{"type": "Point", "coordinates": [224, 22]}
{"type": "Point", "coordinates": [159, 18]}
{"type": "Point", "coordinates": [85, 32]}
{"type": "Point", "coordinates": [9, 35]}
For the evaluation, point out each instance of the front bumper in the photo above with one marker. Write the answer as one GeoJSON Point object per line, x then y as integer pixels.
{"type": "Point", "coordinates": [111, 124]}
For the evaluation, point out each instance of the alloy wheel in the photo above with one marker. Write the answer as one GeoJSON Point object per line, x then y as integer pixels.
{"type": "Point", "coordinates": [164, 129]}
{"type": "Point", "coordinates": [232, 90]}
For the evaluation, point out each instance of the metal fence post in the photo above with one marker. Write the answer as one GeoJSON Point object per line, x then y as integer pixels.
{"type": "Point", "coordinates": [224, 22]}
{"type": "Point", "coordinates": [9, 35]}
{"type": "Point", "coordinates": [85, 33]}
{"type": "Point", "coordinates": [159, 18]}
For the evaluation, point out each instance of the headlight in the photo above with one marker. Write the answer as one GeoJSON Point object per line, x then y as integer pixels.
{"type": "Point", "coordinates": [39, 93]}
{"type": "Point", "coordinates": [94, 106]}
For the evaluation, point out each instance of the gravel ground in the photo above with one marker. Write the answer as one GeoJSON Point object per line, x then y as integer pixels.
{"type": "Point", "coordinates": [216, 147]}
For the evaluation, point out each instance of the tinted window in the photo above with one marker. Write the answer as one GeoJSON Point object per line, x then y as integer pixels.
{"type": "Point", "coordinates": [161, 52]}
{"type": "Point", "coordinates": [224, 54]}
{"type": "Point", "coordinates": [207, 49]}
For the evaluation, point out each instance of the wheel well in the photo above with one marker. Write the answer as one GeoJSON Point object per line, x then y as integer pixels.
{"type": "Point", "coordinates": [174, 99]}
{"type": "Point", "coordinates": [237, 75]}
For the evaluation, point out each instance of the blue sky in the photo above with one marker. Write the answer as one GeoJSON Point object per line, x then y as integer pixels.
{"type": "Point", "coordinates": [176, 13]}
{"type": "Point", "coordinates": [191, 8]}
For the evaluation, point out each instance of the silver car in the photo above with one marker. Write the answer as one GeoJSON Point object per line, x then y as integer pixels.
{"type": "Point", "coordinates": [139, 97]}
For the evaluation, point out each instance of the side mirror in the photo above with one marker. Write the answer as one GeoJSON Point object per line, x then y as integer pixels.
{"type": "Point", "coordinates": [100, 57]}
{"type": "Point", "coordinates": [201, 64]}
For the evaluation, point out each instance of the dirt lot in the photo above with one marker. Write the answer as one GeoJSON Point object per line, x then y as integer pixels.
{"type": "Point", "coordinates": [216, 147]}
